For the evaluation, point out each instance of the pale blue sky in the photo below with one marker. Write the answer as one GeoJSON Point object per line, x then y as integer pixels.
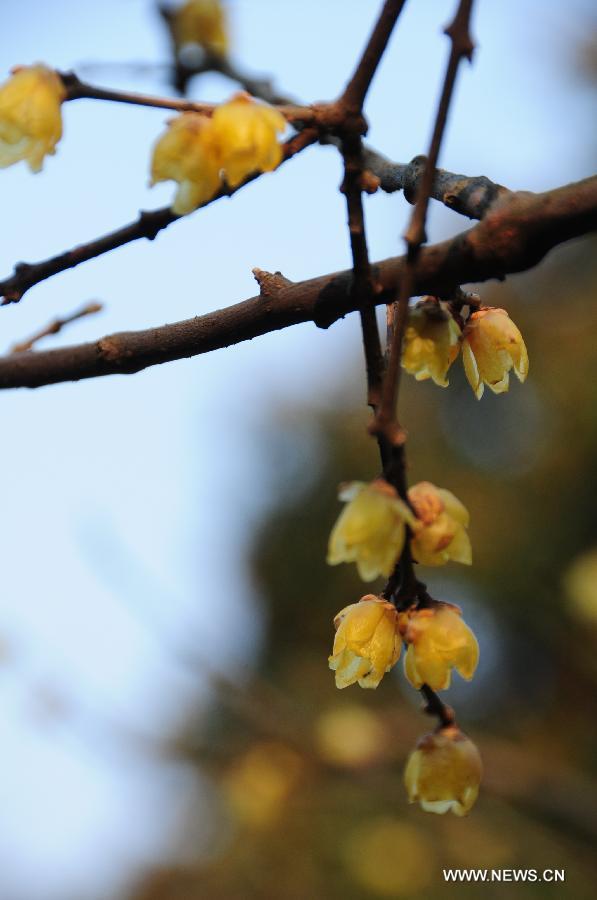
{"type": "Point", "coordinates": [125, 500]}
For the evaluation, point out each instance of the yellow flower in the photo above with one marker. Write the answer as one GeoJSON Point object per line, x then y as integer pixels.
{"type": "Point", "coordinates": [439, 534]}
{"type": "Point", "coordinates": [444, 772]}
{"type": "Point", "coordinates": [187, 153]}
{"type": "Point", "coordinates": [30, 116]}
{"type": "Point", "coordinates": [371, 529]}
{"type": "Point", "coordinates": [492, 345]}
{"type": "Point", "coordinates": [246, 135]}
{"type": "Point", "coordinates": [431, 343]}
{"type": "Point", "coordinates": [201, 22]}
{"type": "Point", "coordinates": [438, 641]}
{"type": "Point", "coordinates": [367, 642]}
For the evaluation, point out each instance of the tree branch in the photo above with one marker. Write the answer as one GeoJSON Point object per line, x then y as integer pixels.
{"type": "Point", "coordinates": [470, 196]}
{"type": "Point", "coordinates": [516, 233]}
{"type": "Point", "coordinates": [461, 47]}
{"type": "Point", "coordinates": [80, 90]}
{"type": "Point", "coordinates": [351, 147]}
{"type": "Point", "coordinates": [362, 290]}
{"type": "Point", "coordinates": [148, 225]}
{"type": "Point", "coordinates": [356, 89]}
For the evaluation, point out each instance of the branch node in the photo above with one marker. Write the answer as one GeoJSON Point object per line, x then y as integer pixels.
{"type": "Point", "coordinates": [369, 182]}
{"type": "Point", "coordinates": [270, 283]}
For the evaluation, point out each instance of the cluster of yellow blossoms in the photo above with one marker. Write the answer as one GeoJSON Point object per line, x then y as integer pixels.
{"type": "Point", "coordinates": [492, 346]}
{"type": "Point", "coordinates": [444, 771]}
{"type": "Point", "coordinates": [199, 152]}
{"type": "Point", "coordinates": [370, 634]}
{"type": "Point", "coordinates": [371, 530]}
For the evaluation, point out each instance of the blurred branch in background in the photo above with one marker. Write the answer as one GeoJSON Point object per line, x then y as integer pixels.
{"type": "Point", "coordinates": [56, 326]}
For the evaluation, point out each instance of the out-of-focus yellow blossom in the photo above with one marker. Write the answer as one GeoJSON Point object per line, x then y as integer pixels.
{"type": "Point", "coordinates": [431, 343]}
{"type": "Point", "coordinates": [246, 133]}
{"type": "Point", "coordinates": [201, 22]}
{"type": "Point", "coordinates": [491, 346]}
{"type": "Point", "coordinates": [371, 529]}
{"type": "Point", "coordinates": [351, 736]}
{"type": "Point", "coordinates": [30, 116]}
{"type": "Point", "coordinates": [439, 533]}
{"type": "Point", "coordinates": [260, 782]}
{"type": "Point", "coordinates": [390, 858]}
{"type": "Point", "coordinates": [580, 583]}
{"type": "Point", "coordinates": [367, 642]}
{"type": "Point", "coordinates": [187, 153]}
{"type": "Point", "coordinates": [444, 772]}
{"type": "Point", "coordinates": [438, 641]}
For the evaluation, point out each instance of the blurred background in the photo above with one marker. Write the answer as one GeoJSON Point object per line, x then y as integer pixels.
{"type": "Point", "coordinates": [168, 724]}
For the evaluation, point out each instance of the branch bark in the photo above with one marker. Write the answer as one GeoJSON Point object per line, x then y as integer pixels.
{"type": "Point", "coordinates": [515, 234]}
{"type": "Point", "coordinates": [76, 89]}
{"type": "Point", "coordinates": [147, 225]}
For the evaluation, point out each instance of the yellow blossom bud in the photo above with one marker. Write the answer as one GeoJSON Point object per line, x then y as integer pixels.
{"type": "Point", "coordinates": [367, 642]}
{"type": "Point", "coordinates": [431, 343]}
{"type": "Point", "coordinates": [444, 772]}
{"type": "Point", "coordinates": [201, 22]}
{"type": "Point", "coordinates": [246, 133]}
{"type": "Point", "coordinates": [492, 345]}
{"type": "Point", "coordinates": [439, 534]}
{"type": "Point", "coordinates": [438, 641]}
{"type": "Point", "coordinates": [30, 116]}
{"type": "Point", "coordinates": [187, 153]}
{"type": "Point", "coordinates": [371, 529]}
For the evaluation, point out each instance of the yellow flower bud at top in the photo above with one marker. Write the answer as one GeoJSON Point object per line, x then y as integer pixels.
{"type": "Point", "coordinates": [187, 153]}
{"type": "Point", "coordinates": [431, 343]}
{"type": "Point", "coordinates": [444, 772]}
{"type": "Point", "coordinates": [30, 116]}
{"type": "Point", "coordinates": [438, 641]}
{"type": "Point", "coordinates": [246, 133]}
{"type": "Point", "coordinates": [439, 533]}
{"type": "Point", "coordinates": [492, 345]}
{"type": "Point", "coordinates": [367, 642]}
{"type": "Point", "coordinates": [371, 529]}
{"type": "Point", "coordinates": [201, 22]}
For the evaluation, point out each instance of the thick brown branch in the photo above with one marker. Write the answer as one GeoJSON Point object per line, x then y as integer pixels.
{"type": "Point", "coordinates": [513, 236]}
{"type": "Point", "coordinates": [147, 225]}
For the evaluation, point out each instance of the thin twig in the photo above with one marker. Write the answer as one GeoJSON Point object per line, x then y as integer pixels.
{"type": "Point", "coordinates": [356, 89]}
{"type": "Point", "coordinates": [57, 325]}
{"type": "Point", "coordinates": [387, 425]}
{"type": "Point", "coordinates": [512, 237]}
{"type": "Point", "coordinates": [147, 225]}
{"type": "Point", "coordinates": [461, 47]}
{"type": "Point", "coordinates": [81, 90]}
{"type": "Point", "coordinates": [362, 290]}
{"type": "Point", "coordinates": [436, 707]}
